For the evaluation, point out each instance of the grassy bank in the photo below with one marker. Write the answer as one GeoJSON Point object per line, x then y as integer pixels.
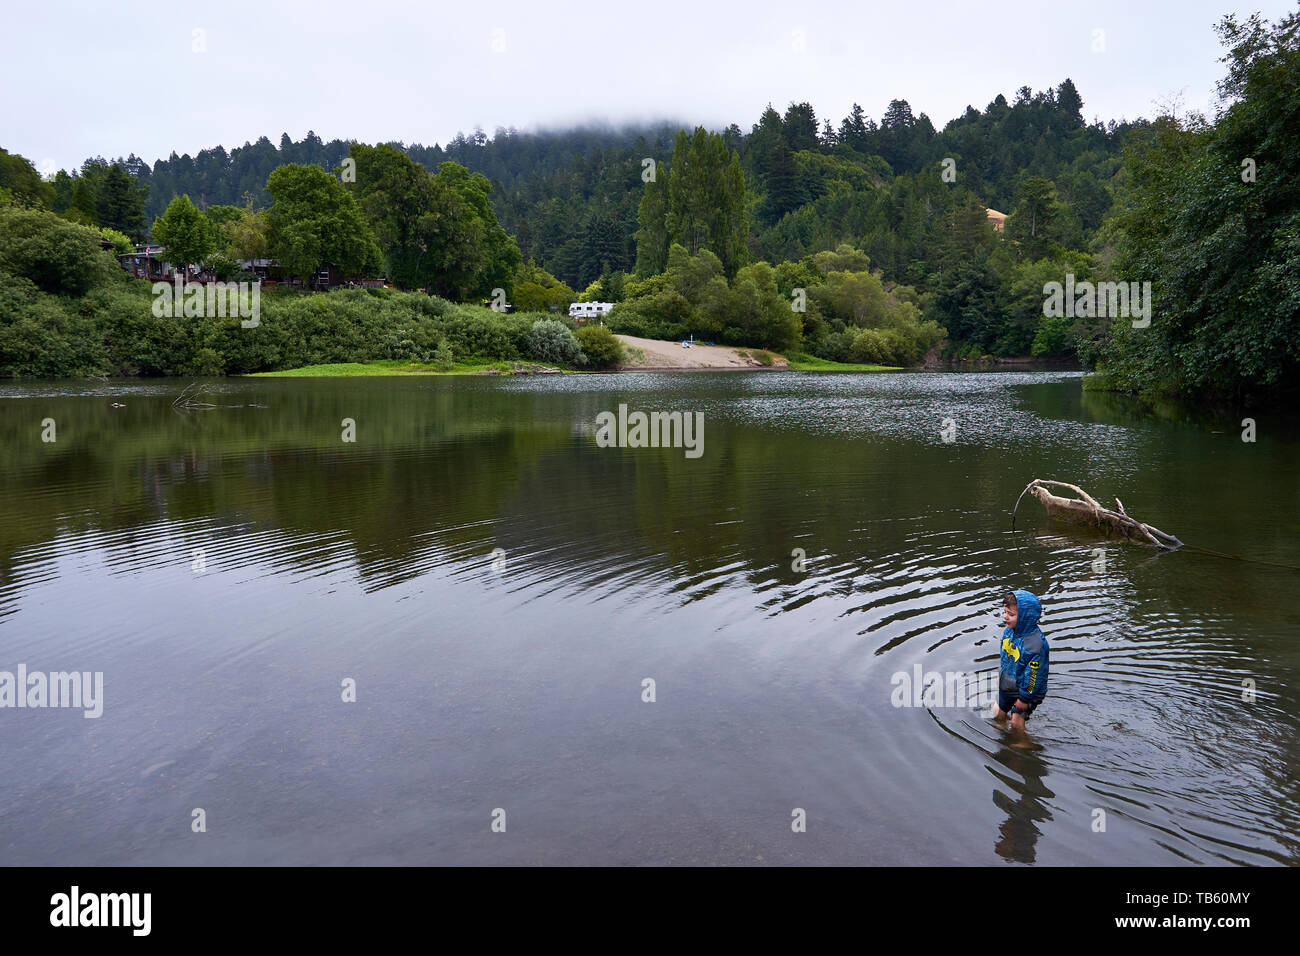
{"type": "Point", "coordinates": [387, 367]}
{"type": "Point", "coordinates": [800, 362]}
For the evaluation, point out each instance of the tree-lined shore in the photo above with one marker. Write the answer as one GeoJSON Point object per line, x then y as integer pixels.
{"type": "Point", "coordinates": [858, 242]}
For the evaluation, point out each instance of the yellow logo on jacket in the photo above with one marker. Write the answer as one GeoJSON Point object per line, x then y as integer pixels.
{"type": "Point", "coordinates": [1009, 648]}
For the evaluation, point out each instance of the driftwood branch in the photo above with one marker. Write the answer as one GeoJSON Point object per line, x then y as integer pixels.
{"type": "Point", "coordinates": [187, 399]}
{"type": "Point", "coordinates": [1084, 509]}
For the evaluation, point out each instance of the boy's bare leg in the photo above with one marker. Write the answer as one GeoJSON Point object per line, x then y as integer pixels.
{"type": "Point", "coordinates": [1018, 722]}
{"type": "Point", "coordinates": [999, 713]}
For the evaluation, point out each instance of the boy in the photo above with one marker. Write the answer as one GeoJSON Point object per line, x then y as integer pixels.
{"type": "Point", "coordinates": [1022, 673]}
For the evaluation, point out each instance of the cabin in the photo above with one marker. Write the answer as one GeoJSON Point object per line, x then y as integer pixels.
{"type": "Point", "coordinates": [147, 262]}
{"type": "Point", "coordinates": [582, 311]}
{"type": "Point", "coordinates": [998, 219]}
{"type": "Point", "coordinates": [258, 267]}
{"type": "Point", "coordinates": [331, 277]}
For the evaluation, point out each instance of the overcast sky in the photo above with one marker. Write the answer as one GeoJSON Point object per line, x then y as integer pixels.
{"type": "Point", "coordinates": [94, 78]}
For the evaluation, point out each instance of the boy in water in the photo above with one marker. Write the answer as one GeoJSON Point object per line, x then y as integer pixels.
{"type": "Point", "coordinates": [1022, 676]}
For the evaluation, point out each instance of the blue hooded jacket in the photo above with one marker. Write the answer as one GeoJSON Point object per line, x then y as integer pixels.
{"type": "Point", "coordinates": [1023, 668]}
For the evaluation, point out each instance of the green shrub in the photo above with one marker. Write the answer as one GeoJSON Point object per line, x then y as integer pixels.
{"type": "Point", "coordinates": [207, 362]}
{"type": "Point", "coordinates": [869, 347]}
{"type": "Point", "coordinates": [600, 345]}
{"type": "Point", "coordinates": [551, 341]}
{"type": "Point", "coordinates": [479, 332]}
{"type": "Point", "coordinates": [121, 241]}
{"type": "Point", "coordinates": [58, 256]}
{"type": "Point", "coordinates": [223, 267]}
{"type": "Point", "coordinates": [430, 306]}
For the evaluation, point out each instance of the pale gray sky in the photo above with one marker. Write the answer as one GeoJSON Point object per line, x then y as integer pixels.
{"type": "Point", "coordinates": [95, 78]}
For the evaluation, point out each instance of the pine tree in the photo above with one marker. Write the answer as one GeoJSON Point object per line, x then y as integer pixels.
{"type": "Point", "coordinates": [1070, 103]}
{"type": "Point", "coordinates": [121, 203]}
{"type": "Point", "coordinates": [800, 126]}
{"type": "Point", "coordinates": [854, 129]}
{"type": "Point", "coordinates": [652, 216]}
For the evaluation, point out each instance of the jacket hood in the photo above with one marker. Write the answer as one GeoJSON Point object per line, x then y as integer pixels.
{"type": "Point", "coordinates": [1028, 610]}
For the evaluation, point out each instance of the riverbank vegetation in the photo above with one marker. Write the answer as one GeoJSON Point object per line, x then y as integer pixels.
{"type": "Point", "coordinates": [1210, 215]}
{"type": "Point", "coordinates": [67, 310]}
{"type": "Point", "coordinates": [391, 367]}
{"type": "Point", "coordinates": [863, 242]}
{"type": "Point", "coordinates": [799, 362]}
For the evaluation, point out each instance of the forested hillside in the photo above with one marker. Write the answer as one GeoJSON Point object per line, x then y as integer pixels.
{"type": "Point", "coordinates": [570, 197]}
{"type": "Point", "coordinates": [856, 241]}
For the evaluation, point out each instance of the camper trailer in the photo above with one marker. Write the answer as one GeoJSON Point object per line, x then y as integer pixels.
{"type": "Point", "coordinates": [583, 311]}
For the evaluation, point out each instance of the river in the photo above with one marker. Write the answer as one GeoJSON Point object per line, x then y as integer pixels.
{"type": "Point", "coordinates": [562, 652]}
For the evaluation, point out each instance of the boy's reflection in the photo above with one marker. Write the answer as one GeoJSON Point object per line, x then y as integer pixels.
{"type": "Point", "coordinates": [1018, 834]}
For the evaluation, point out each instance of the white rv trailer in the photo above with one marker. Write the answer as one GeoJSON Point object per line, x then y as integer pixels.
{"type": "Point", "coordinates": [589, 310]}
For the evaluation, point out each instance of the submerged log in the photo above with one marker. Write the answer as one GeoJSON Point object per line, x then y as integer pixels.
{"type": "Point", "coordinates": [1086, 510]}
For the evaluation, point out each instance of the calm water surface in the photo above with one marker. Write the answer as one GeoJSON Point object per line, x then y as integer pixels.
{"type": "Point", "coordinates": [227, 569]}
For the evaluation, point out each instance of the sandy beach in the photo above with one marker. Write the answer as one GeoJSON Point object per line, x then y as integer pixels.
{"type": "Point", "coordinates": [658, 354]}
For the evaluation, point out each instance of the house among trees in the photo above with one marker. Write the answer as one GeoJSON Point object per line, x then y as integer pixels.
{"type": "Point", "coordinates": [999, 219]}
{"type": "Point", "coordinates": [147, 263]}
{"type": "Point", "coordinates": [259, 267]}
